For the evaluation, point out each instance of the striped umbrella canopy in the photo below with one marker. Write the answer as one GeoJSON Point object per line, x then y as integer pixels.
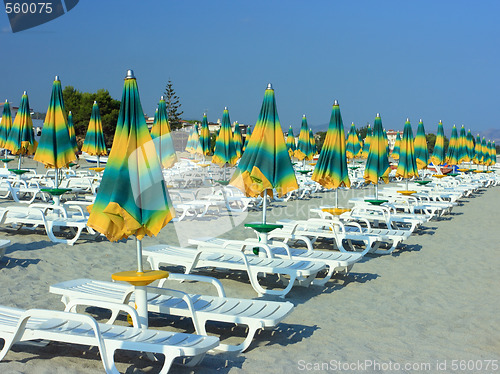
{"type": "Point", "coordinates": [237, 139]}
{"type": "Point", "coordinates": [5, 124]}
{"type": "Point", "coordinates": [225, 152]}
{"type": "Point", "coordinates": [484, 152]}
{"type": "Point", "coordinates": [395, 150]}
{"type": "Point", "coordinates": [266, 164]}
{"type": "Point", "coordinates": [162, 137]}
{"type": "Point", "coordinates": [290, 142]}
{"type": "Point", "coordinates": [470, 145]}
{"type": "Point", "coordinates": [54, 148]}
{"type": "Point", "coordinates": [421, 151]}
{"type": "Point", "coordinates": [366, 146]}
{"type": "Point", "coordinates": [477, 150]}
{"type": "Point", "coordinates": [71, 130]}
{"type": "Point", "coordinates": [205, 135]}
{"type": "Point", "coordinates": [193, 140]}
{"type": "Point", "coordinates": [303, 150]}
{"type": "Point", "coordinates": [489, 161]}
{"type": "Point", "coordinates": [463, 156]}
{"type": "Point", "coordinates": [386, 141]}
{"type": "Point", "coordinates": [247, 137]}
{"type": "Point", "coordinates": [452, 154]}
{"type": "Point", "coordinates": [21, 140]}
{"type": "Point", "coordinates": [331, 169]}
{"type": "Point", "coordinates": [94, 143]}
{"type": "Point", "coordinates": [438, 155]}
{"type": "Point", "coordinates": [377, 164]}
{"type": "Point", "coordinates": [353, 148]}
{"type": "Point", "coordinates": [312, 142]}
{"type": "Point", "coordinates": [493, 153]}
{"type": "Point", "coordinates": [407, 166]}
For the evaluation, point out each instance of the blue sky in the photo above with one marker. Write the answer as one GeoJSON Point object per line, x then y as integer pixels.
{"type": "Point", "coordinates": [435, 60]}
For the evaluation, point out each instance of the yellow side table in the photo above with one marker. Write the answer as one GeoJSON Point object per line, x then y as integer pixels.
{"type": "Point", "coordinates": [140, 281]}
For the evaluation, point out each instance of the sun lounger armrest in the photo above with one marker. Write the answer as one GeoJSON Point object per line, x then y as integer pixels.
{"type": "Point", "coordinates": [243, 244]}
{"type": "Point", "coordinates": [187, 299]}
{"type": "Point", "coordinates": [45, 207]}
{"type": "Point", "coordinates": [114, 307]}
{"type": "Point", "coordinates": [198, 278]}
{"type": "Point", "coordinates": [273, 243]}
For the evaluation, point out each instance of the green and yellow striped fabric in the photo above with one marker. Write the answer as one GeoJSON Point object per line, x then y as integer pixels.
{"type": "Point", "coordinates": [477, 150]}
{"type": "Point", "coordinates": [312, 143]}
{"type": "Point", "coordinates": [377, 164]}
{"type": "Point", "coordinates": [225, 152]}
{"type": "Point", "coordinates": [493, 153]}
{"type": "Point", "coordinates": [470, 145]}
{"type": "Point", "coordinates": [132, 198]}
{"type": "Point", "coordinates": [205, 135]}
{"type": "Point", "coordinates": [5, 124]}
{"type": "Point", "coordinates": [463, 156]}
{"type": "Point", "coordinates": [21, 140]}
{"type": "Point", "coordinates": [438, 155]}
{"type": "Point", "coordinates": [303, 150]}
{"type": "Point", "coordinates": [238, 141]}
{"type": "Point", "coordinates": [485, 155]}
{"type": "Point", "coordinates": [94, 139]}
{"type": "Point", "coordinates": [395, 150]}
{"type": "Point", "coordinates": [266, 164]}
{"type": "Point", "coordinates": [193, 145]}
{"type": "Point", "coordinates": [452, 154]}
{"type": "Point", "coordinates": [54, 147]}
{"type": "Point", "coordinates": [407, 166]}
{"type": "Point", "coordinates": [290, 142]}
{"type": "Point", "coordinates": [71, 130]}
{"type": "Point", "coordinates": [162, 138]}
{"type": "Point", "coordinates": [366, 146]}
{"type": "Point", "coordinates": [331, 169]}
{"type": "Point", "coordinates": [353, 148]}
{"type": "Point", "coordinates": [421, 151]}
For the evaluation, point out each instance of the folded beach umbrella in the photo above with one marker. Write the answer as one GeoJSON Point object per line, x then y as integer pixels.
{"type": "Point", "coordinates": [386, 141]}
{"type": "Point", "coordinates": [477, 151]}
{"type": "Point", "coordinates": [205, 135]}
{"type": "Point", "coordinates": [407, 166]}
{"type": "Point", "coordinates": [54, 148]}
{"type": "Point", "coordinates": [377, 164]}
{"type": "Point", "coordinates": [192, 141]}
{"type": "Point", "coordinates": [266, 164]}
{"type": "Point", "coordinates": [395, 150]}
{"type": "Point", "coordinates": [452, 154]}
{"type": "Point", "coordinates": [290, 142]}
{"type": "Point", "coordinates": [162, 138]}
{"type": "Point", "coordinates": [303, 150]}
{"type": "Point", "coordinates": [493, 153]}
{"type": "Point", "coordinates": [331, 169]}
{"type": "Point", "coordinates": [312, 142]}
{"type": "Point", "coordinates": [353, 148]}
{"type": "Point", "coordinates": [132, 197]}
{"type": "Point", "coordinates": [485, 156]}
{"type": "Point", "coordinates": [21, 140]}
{"type": "Point", "coordinates": [421, 151]}
{"type": "Point", "coordinates": [94, 143]}
{"type": "Point", "coordinates": [470, 146]}
{"type": "Point", "coordinates": [489, 161]}
{"type": "Point", "coordinates": [438, 155]}
{"type": "Point", "coordinates": [225, 152]}
{"type": "Point", "coordinates": [5, 124]}
{"type": "Point", "coordinates": [463, 156]}
{"type": "Point", "coordinates": [366, 146]}
{"type": "Point", "coordinates": [238, 141]}
{"type": "Point", "coordinates": [247, 137]}
{"type": "Point", "coordinates": [71, 130]}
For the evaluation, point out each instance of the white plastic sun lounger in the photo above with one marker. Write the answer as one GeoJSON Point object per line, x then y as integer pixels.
{"type": "Point", "coordinates": [316, 228]}
{"type": "Point", "coordinates": [255, 314]}
{"type": "Point", "coordinates": [303, 272]}
{"type": "Point", "coordinates": [3, 247]}
{"type": "Point", "coordinates": [335, 261]}
{"type": "Point", "coordinates": [17, 325]}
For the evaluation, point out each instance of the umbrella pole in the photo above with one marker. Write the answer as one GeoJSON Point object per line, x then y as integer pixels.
{"type": "Point", "coordinates": [19, 162]}
{"type": "Point", "coordinates": [376, 191]}
{"type": "Point", "coordinates": [98, 162]}
{"type": "Point", "coordinates": [141, 294]}
{"type": "Point", "coordinates": [336, 198]}
{"type": "Point", "coordinates": [264, 207]}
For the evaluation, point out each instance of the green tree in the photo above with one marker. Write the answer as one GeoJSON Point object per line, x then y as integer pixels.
{"type": "Point", "coordinates": [320, 139]}
{"type": "Point", "coordinates": [431, 142]}
{"type": "Point", "coordinates": [173, 106]}
{"type": "Point", "coordinates": [80, 104]}
{"type": "Point", "coordinates": [362, 132]}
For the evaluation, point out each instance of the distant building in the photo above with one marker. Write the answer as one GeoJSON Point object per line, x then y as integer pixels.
{"type": "Point", "coordinates": [391, 137]}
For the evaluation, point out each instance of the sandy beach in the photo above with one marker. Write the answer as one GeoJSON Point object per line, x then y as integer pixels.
{"type": "Point", "coordinates": [431, 306]}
